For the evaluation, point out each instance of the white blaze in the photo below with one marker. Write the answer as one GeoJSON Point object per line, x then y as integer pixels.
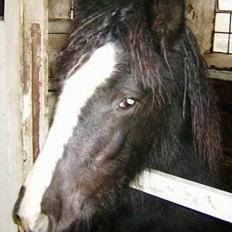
{"type": "Point", "coordinates": [77, 89]}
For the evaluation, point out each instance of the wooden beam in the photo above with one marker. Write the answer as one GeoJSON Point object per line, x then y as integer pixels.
{"type": "Point", "coordinates": [220, 75]}
{"type": "Point", "coordinates": [34, 78]}
{"type": "Point", "coordinates": [204, 199]}
{"type": "Point", "coordinates": [219, 60]}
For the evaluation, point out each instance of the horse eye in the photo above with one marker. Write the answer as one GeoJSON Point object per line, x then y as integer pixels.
{"type": "Point", "coordinates": [127, 103]}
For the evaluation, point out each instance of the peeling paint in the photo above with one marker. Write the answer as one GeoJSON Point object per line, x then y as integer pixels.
{"type": "Point", "coordinates": [36, 66]}
{"type": "Point", "coordinates": [34, 79]}
{"type": "Point", "coordinates": [26, 112]}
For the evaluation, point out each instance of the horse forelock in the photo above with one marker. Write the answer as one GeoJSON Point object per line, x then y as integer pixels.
{"type": "Point", "coordinates": [93, 27]}
{"type": "Point", "coordinates": [125, 24]}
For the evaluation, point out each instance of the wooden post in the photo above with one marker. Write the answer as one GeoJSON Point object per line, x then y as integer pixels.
{"type": "Point", "coordinates": [35, 79]}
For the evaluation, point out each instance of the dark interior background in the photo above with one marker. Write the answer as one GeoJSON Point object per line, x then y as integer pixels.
{"type": "Point", "coordinates": [1, 8]}
{"type": "Point", "coordinates": [224, 91]}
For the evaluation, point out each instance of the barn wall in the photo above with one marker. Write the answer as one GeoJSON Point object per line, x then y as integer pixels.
{"type": "Point", "coordinates": [11, 159]}
{"type": "Point", "coordinates": [200, 18]}
{"type": "Point", "coordinates": [60, 18]}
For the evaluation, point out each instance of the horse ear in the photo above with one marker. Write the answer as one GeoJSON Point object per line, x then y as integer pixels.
{"type": "Point", "coordinates": [166, 20]}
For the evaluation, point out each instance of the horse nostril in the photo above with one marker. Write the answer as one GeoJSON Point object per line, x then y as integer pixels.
{"type": "Point", "coordinates": [15, 214]}
{"type": "Point", "coordinates": [22, 227]}
{"type": "Point", "coordinates": [16, 218]}
{"type": "Point", "coordinates": [19, 220]}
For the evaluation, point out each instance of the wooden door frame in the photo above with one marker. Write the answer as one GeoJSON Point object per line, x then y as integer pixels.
{"type": "Point", "coordinates": [34, 79]}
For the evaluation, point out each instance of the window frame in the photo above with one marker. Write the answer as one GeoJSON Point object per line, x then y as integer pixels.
{"type": "Point", "coordinates": [229, 33]}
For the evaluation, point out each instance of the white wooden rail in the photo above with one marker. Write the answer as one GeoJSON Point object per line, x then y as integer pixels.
{"type": "Point", "coordinates": [211, 201]}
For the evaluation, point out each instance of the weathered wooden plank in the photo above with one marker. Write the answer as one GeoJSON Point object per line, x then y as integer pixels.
{"type": "Point", "coordinates": [187, 193]}
{"type": "Point", "coordinates": [220, 75]}
{"type": "Point", "coordinates": [55, 41]}
{"type": "Point", "coordinates": [60, 9]}
{"type": "Point", "coordinates": [35, 69]}
{"type": "Point", "coordinates": [36, 63]}
{"type": "Point", "coordinates": [200, 18]}
{"type": "Point", "coordinates": [220, 60]}
{"type": "Point", "coordinates": [59, 26]}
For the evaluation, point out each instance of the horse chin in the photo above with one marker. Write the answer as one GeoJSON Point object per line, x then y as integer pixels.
{"type": "Point", "coordinates": [41, 225]}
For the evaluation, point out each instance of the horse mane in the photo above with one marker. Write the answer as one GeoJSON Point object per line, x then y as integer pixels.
{"type": "Point", "coordinates": [102, 21]}
{"type": "Point", "coordinates": [203, 103]}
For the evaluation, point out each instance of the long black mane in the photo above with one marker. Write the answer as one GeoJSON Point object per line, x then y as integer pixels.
{"type": "Point", "coordinates": [99, 22]}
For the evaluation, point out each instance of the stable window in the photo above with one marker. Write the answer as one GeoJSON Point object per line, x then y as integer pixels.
{"type": "Point", "coordinates": [1, 9]}
{"type": "Point", "coordinates": [223, 27]}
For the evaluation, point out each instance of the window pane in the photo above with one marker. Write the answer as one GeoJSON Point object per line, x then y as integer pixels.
{"type": "Point", "coordinates": [225, 4]}
{"type": "Point", "coordinates": [221, 42]}
{"type": "Point", "coordinates": [222, 22]}
{"type": "Point", "coordinates": [230, 46]}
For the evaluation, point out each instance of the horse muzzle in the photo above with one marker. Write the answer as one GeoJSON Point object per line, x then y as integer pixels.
{"type": "Point", "coordinates": [22, 225]}
{"type": "Point", "coordinates": [41, 222]}
{"type": "Point", "coordinates": [16, 217]}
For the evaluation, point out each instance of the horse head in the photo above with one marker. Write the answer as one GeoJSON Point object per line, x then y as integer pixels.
{"type": "Point", "coordinates": [132, 95]}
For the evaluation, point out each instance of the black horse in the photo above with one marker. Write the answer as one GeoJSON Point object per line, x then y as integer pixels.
{"type": "Point", "coordinates": [133, 95]}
